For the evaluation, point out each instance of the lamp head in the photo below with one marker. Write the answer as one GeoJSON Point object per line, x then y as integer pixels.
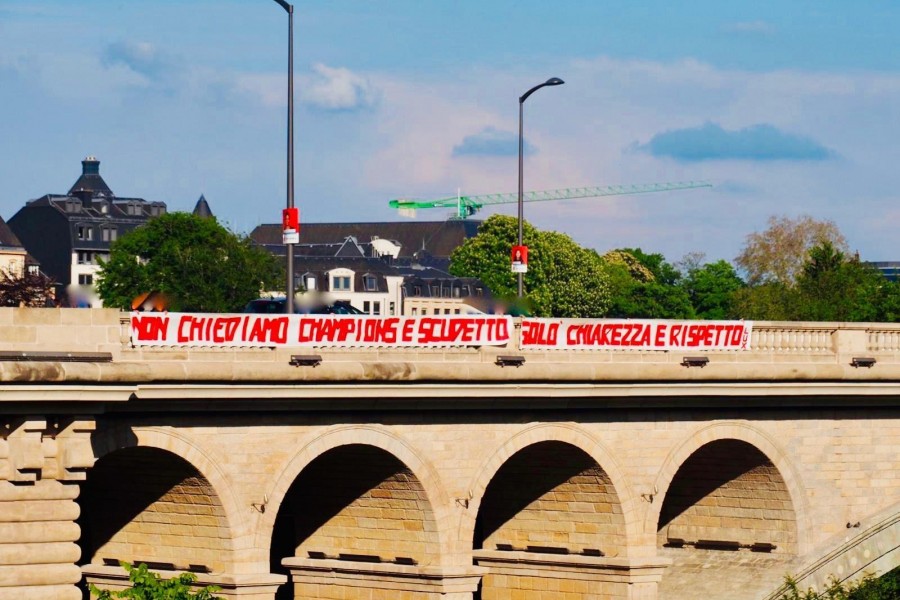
{"type": "Point", "coordinates": [551, 81]}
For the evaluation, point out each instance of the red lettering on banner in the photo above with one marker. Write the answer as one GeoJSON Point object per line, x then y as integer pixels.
{"type": "Point", "coordinates": [660, 338]}
{"type": "Point", "coordinates": [536, 333]}
{"type": "Point", "coordinates": [269, 330]}
{"type": "Point", "coordinates": [408, 331]}
{"type": "Point", "coordinates": [150, 328]}
{"type": "Point", "coordinates": [380, 331]}
{"type": "Point", "coordinates": [461, 331]}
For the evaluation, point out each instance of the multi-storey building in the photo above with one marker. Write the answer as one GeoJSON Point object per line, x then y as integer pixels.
{"type": "Point", "coordinates": [68, 233]}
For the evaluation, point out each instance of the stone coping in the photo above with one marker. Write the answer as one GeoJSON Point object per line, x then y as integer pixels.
{"type": "Point", "coordinates": [299, 563]}
{"type": "Point", "coordinates": [384, 576]}
{"type": "Point", "coordinates": [118, 575]}
{"type": "Point", "coordinates": [573, 566]}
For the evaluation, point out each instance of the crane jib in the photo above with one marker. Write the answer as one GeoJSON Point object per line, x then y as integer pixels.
{"type": "Point", "coordinates": [469, 205]}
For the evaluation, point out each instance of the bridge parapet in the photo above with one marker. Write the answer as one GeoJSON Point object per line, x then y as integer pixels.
{"type": "Point", "coordinates": [93, 345]}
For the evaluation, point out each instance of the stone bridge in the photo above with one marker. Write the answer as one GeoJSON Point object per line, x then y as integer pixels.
{"type": "Point", "coordinates": [445, 473]}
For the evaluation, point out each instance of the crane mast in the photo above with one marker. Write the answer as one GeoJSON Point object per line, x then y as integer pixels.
{"type": "Point", "coordinates": [466, 206]}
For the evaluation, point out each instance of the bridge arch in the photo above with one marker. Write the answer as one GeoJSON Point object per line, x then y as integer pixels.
{"type": "Point", "coordinates": [742, 432]}
{"type": "Point", "coordinates": [174, 466]}
{"type": "Point", "coordinates": [565, 434]}
{"type": "Point", "coordinates": [389, 448]}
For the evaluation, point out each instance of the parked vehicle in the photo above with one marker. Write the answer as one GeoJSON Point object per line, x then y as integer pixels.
{"type": "Point", "coordinates": [274, 306]}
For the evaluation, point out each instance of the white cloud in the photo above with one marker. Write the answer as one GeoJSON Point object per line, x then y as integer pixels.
{"type": "Point", "coordinates": [338, 88]}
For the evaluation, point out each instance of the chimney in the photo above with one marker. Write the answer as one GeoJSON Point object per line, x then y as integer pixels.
{"type": "Point", "coordinates": [90, 166]}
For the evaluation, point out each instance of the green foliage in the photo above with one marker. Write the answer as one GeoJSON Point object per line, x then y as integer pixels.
{"type": "Point", "coordinates": [833, 288]}
{"type": "Point", "coordinates": [712, 290]}
{"type": "Point", "coordinates": [637, 295]}
{"type": "Point", "coordinates": [829, 287]}
{"type": "Point", "coordinates": [563, 279]}
{"type": "Point", "coordinates": [662, 271]}
{"type": "Point", "coordinates": [198, 263]}
{"type": "Point", "coordinates": [146, 585]}
{"type": "Point", "coordinates": [886, 587]}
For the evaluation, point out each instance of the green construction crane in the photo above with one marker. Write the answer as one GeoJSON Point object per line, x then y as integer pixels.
{"type": "Point", "coordinates": [466, 206]}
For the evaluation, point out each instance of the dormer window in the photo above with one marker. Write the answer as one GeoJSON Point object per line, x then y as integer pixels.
{"type": "Point", "coordinates": [340, 283]}
{"type": "Point", "coordinates": [370, 283]}
{"type": "Point", "coordinates": [309, 282]}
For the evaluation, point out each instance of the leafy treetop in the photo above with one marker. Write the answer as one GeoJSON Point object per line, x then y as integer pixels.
{"type": "Point", "coordinates": [196, 262]}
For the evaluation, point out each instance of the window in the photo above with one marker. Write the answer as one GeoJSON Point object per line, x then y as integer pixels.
{"type": "Point", "coordinates": [85, 279]}
{"type": "Point", "coordinates": [417, 290]}
{"type": "Point", "coordinates": [370, 283]}
{"type": "Point", "coordinates": [34, 270]}
{"type": "Point", "coordinates": [391, 309]}
{"type": "Point", "coordinates": [456, 292]}
{"type": "Point", "coordinates": [84, 232]}
{"type": "Point", "coordinates": [366, 306]}
{"type": "Point", "coordinates": [434, 291]}
{"type": "Point", "coordinates": [376, 308]}
{"type": "Point", "coordinates": [109, 234]}
{"type": "Point", "coordinates": [309, 282]}
{"type": "Point", "coordinates": [415, 311]}
{"type": "Point", "coordinates": [446, 311]}
{"type": "Point", "coordinates": [456, 312]}
{"type": "Point", "coordinates": [85, 258]}
{"type": "Point", "coordinates": [340, 282]}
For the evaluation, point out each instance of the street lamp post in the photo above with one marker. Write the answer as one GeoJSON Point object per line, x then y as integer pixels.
{"type": "Point", "coordinates": [522, 99]}
{"type": "Point", "coordinates": [289, 246]}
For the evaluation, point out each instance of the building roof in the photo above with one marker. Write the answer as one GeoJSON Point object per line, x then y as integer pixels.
{"type": "Point", "coordinates": [90, 180]}
{"type": "Point", "coordinates": [201, 209]}
{"type": "Point", "coordinates": [8, 239]}
{"type": "Point", "coordinates": [438, 238]}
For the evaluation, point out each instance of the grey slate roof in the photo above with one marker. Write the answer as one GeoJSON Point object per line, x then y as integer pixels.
{"type": "Point", "coordinates": [201, 209]}
{"type": "Point", "coordinates": [8, 239]}
{"type": "Point", "coordinates": [438, 238]}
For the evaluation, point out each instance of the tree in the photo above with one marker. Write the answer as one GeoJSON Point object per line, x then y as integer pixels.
{"type": "Point", "coordinates": [835, 288]}
{"type": "Point", "coordinates": [197, 263]}
{"type": "Point", "coordinates": [663, 272]}
{"type": "Point", "coordinates": [27, 289]}
{"type": "Point", "coordinates": [146, 585]}
{"type": "Point", "coordinates": [777, 254]}
{"type": "Point", "coordinates": [711, 289]}
{"type": "Point", "coordinates": [886, 587]}
{"type": "Point", "coordinates": [563, 279]}
{"type": "Point", "coordinates": [644, 286]}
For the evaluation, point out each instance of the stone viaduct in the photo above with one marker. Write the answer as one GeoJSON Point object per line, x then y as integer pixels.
{"type": "Point", "coordinates": [439, 473]}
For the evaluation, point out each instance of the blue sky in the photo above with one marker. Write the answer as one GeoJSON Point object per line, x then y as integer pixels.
{"type": "Point", "coordinates": [786, 107]}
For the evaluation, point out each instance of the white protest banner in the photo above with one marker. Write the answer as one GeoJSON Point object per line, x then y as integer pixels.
{"type": "Point", "coordinates": [294, 331]}
{"type": "Point", "coordinates": [635, 334]}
